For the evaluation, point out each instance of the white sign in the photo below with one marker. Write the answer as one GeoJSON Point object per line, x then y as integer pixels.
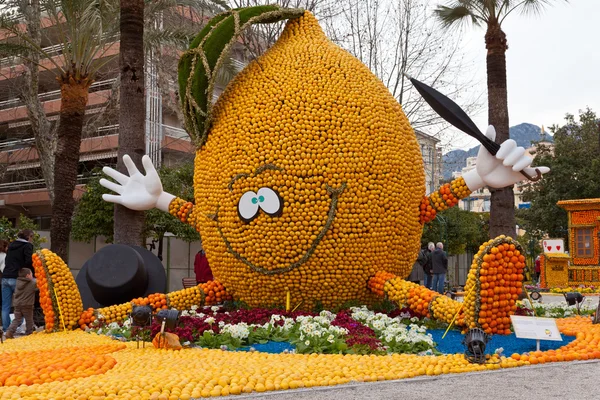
{"type": "Point", "coordinates": [554, 245]}
{"type": "Point", "coordinates": [535, 328]}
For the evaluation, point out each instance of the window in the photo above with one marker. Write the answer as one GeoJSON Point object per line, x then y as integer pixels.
{"type": "Point", "coordinates": [584, 243]}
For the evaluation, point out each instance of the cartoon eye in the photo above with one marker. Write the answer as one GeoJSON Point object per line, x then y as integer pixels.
{"type": "Point", "coordinates": [270, 201]}
{"type": "Point", "coordinates": [248, 206]}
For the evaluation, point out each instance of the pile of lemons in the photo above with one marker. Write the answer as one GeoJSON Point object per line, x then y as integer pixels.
{"type": "Point", "coordinates": [59, 294]}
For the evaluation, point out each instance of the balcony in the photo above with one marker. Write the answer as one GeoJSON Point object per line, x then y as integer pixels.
{"type": "Point", "coordinates": [55, 94]}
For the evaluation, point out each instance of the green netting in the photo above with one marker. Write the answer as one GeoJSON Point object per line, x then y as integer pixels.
{"type": "Point", "coordinates": [207, 52]}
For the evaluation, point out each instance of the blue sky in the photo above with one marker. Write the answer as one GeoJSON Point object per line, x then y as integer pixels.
{"type": "Point", "coordinates": [553, 64]}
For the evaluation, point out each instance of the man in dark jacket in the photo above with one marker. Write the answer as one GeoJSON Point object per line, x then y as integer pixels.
{"type": "Point", "coordinates": [18, 256]}
{"type": "Point", "coordinates": [427, 265]}
{"type": "Point", "coordinates": [24, 300]}
{"type": "Point", "coordinates": [439, 261]}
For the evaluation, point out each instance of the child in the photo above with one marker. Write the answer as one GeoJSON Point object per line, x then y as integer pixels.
{"type": "Point", "coordinates": [23, 302]}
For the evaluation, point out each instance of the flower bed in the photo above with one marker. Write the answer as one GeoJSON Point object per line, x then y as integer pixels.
{"type": "Point", "coordinates": [354, 331]}
{"type": "Point", "coordinates": [579, 289]}
{"type": "Point", "coordinates": [553, 310]}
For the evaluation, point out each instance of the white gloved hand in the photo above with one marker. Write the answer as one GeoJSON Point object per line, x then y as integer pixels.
{"type": "Point", "coordinates": [136, 191]}
{"type": "Point", "coordinates": [503, 169]}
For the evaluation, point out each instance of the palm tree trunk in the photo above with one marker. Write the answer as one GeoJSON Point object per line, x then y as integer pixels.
{"type": "Point", "coordinates": [502, 208]}
{"type": "Point", "coordinates": [74, 98]}
{"type": "Point", "coordinates": [132, 115]}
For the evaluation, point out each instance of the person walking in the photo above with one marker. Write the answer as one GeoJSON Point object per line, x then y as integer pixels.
{"type": "Point", "coordinates": [24, 300]}
{"type": "Point", "coordinates": [427, 266]}
{"type": "Point", "coordinates": [439, 261]}
{"type": "Point", "coordinates": [3, 250]}
{"type": "Point", "coordinates": [18, 256]}
{"type": "Point", "coordinates": [201, 268]}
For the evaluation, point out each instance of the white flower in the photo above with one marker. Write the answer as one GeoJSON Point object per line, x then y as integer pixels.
{"type": "Point", "coordinates": [307, 343]}
{"type": "Point", "coordinates": [185, 313]}
{"type": "Point", "coordinates": [210, 320]}
{"type": "Point", "coordinates": [113, 325]}
{"type": "Point", "coordinates": [221, 323]}
{"type": "Point", "coordinates": [127, 323]}
{"type": "Point", "coordinates": [194, 307]}
{"type": "Point", "coordinates": [215, 308]}
{"type": "Point", "coordinates": [330, 338]}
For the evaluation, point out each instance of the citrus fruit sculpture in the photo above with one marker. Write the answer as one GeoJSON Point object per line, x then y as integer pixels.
{"type": "Point", "coordinates": [308, 176]}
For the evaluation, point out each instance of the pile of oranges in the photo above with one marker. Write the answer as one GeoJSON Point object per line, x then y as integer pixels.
{"type": "Point", "coordinates": [377, 282]}
{"type": "Point", "coordinates": [494, 284]}
{"type": "Point", "coordinates": [45, 289]}
{"type": "Point", "coordinates": [87, 318]}
{"type": "Point", "coordinates": [158, 301]}
{"type": "Point", "coordinates": [445, 197]}
{"type": "Point", "coordinates": [338, 168]}
{"type": "Point", "coordinates": [444, 309]}
{"type": "Point", "coordinates": [59, 295]}
{"type": "Point", "coordinates": [51, 365]}
{"type": "Point", "coordinates": [115, 313]}
{"type": "Point", "coordinates": [419, 299]}
{"type": "Point", "coordinates": [180, 208]}
{"type": "Point", "coordinates": [208, 293]}
{"type": "Point", "coordinates": [184, 299]}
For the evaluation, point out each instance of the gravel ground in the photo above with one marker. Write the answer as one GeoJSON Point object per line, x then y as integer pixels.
{"type": "Point", "coordinates": [565, 381]}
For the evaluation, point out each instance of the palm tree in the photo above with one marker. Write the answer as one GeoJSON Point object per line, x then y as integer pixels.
{"type": "Point", "coordinates": [86, 32]}
{"type": "Point", "coordinates": [492, 13]}
{"type": "Point", "coordinates": [142, 37]}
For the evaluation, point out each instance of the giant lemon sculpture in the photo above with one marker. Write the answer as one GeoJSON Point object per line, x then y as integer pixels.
{"type": "Point", "coordinates": [312, 175]}
{"type": "Point", "coordinates": [308, 176]}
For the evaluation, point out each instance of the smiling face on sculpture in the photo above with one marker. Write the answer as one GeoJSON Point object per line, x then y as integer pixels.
{"type": "Point", "coordinates": [310, 179]}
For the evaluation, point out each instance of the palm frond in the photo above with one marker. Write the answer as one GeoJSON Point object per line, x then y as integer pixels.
{"type": "Point", "coordinates": [452, 16]}
{"type": "Point", "coordinates": [153, 7]}
{"type": "Point", "coordinates": [533, 6]}
{"type": "Point", "coordinates": [527, 7]}
{"type": "Point", "coordinates": [228, 70]}
{"type": "Point", "coordinates": [13, 49]}
{"type": "Point", "coordinates": [176, 37]}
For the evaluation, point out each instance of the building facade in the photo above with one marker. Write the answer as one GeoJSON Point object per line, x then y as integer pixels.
{"type": "Point", "coordinates": [432, 160]}
{"type": "Point", "coordinates": [22, 187]}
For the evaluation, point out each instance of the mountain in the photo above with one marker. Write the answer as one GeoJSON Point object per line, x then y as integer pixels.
{"type": "Point", "coordinates": [524, 134]}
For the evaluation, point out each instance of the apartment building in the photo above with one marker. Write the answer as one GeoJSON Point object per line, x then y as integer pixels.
{"type": "Point", "coordinates": [22, 187]}
{"type": "Point", "coordinates": [432, 160]}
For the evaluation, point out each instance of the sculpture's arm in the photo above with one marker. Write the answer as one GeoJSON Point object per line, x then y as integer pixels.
{"type": "Point", "coordinates": [497, 171]}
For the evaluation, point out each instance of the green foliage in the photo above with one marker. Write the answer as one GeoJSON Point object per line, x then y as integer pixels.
{"type": "Point", "coordinates": [459, 230]}
{"type": "Point", "coordinates": [209, 49]}
{"type": "Point", "coordinates": [94, 216]}
{"type": "Point", "coordinates": [480, 12]}
{"type": "Point", "coordinates": [9, 233]}
{"type": "Point", "coordinates": [574, 169]}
